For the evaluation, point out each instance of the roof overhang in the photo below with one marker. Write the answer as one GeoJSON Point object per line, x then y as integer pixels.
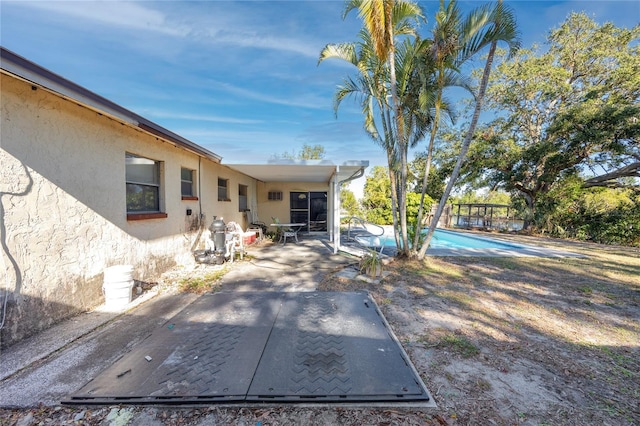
{"type": "Point", "coordinates": [23, 69]}
{"type": "Point", "coordinates": [302, 170]}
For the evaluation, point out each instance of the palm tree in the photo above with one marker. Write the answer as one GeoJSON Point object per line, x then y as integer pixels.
{"type": "Point", "coordinates": [439, 67]}
{"type": "Point", "coordinates": [370, 87]}
{"type": "Point", "coordinates": [484, 27]}
{"type": "Point", "coordinates": [384, 20]}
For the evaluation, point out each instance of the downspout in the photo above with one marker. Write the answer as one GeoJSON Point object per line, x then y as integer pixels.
{"type": "Point", "coordinates": [201, 225]}
{"type": "Point", "coordinates": [200, 191]}
{"type": "Point", "coordinates": [336, 202]}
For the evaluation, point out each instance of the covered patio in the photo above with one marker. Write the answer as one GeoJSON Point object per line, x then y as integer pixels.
{"type": "Point", "coordinates": [302, 191]}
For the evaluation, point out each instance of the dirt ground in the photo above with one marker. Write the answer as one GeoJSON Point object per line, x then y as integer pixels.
{"type": "Point", "coordinates": [498, 341]}
{"type": "Point", "coordinates": [522, 340]}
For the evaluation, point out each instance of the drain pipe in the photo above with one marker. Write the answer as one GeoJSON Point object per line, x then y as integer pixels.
{"type": "Point", "coordinates": [336, 208]}
{"type": "Point", "coordinates": [201, 224]}
{"type": "Point", "coordinates": [200, 191]}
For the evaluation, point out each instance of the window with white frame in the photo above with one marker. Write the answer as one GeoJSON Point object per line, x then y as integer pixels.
{"type": "Point", "coordinates": [242, 198]}
{"type": "Point", "coordinates": [143, 184]}
{"type": "Point", "coordinates": [223, 194]}
{"type": "Point", "coordinates": [187, 182]}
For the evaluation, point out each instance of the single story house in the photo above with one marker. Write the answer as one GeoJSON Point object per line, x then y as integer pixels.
{"type": "Point", "coordinates": [86, 184]}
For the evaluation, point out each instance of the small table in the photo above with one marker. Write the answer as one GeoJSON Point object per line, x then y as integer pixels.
{"type": "Point", "coordinates": [288, 230]}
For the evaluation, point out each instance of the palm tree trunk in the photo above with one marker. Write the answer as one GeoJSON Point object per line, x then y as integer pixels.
{"type": "Point", "coordinates": [394, 207]}
{"type": "Point", "coordinates": [385, 116]}
{"type": "Point", "coordinates": [401, 141]}
{"type": "Point", "coordinates": [425, 178]}
{"type": "Point", "coordinates": [463, 151]}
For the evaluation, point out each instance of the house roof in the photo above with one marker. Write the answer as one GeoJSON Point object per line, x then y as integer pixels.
{"type": "Point", "coordinates": [274, 171]}
{"type": "Point", "coordinates": [19, 67]}
{"type": "Point", "coordinates": [302, 170]}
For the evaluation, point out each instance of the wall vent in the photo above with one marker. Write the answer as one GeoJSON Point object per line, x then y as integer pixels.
{"type": "Point", "coordinates": [275, 196]}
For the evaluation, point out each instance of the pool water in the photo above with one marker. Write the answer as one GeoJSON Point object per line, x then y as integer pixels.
{"type": "Point", "coordinates": [458, 240]}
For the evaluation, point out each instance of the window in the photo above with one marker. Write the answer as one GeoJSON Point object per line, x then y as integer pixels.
{"type": "Point", "coordinates": [274, 196]}
{"type": "Point", "coordinates": [242, 198]}
{"type": "Point", "coordinates": [143, 184]}
{"type": "Point", "coordinates": [187, 183]}
{"type": "Point", "coordinates": [222, 190]}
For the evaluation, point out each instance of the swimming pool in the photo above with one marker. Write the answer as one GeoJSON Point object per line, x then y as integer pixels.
{"type": "Point", "coordinates": [458, 243]}
{"type": "Point", "coordinates": [452, 239]}
{"type": "Point", "coordinates": [443, 239]}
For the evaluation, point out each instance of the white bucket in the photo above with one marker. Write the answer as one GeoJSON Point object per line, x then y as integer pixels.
{"type": "Point", "coordinates": [118, 285]}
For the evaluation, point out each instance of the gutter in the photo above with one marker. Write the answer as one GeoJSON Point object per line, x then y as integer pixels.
{"type": "Point", "coordinates": [15, 65]}
{"type": "Point", "coordinates": [354, 176]}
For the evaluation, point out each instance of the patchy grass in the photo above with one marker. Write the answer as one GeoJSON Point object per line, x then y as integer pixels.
{"type": "Point", "coordinates": [202, 284]}
{"type": "Point", "coordinates": [534, 340]}
{"type": "Point", "coordinates": [458, 344]}
{"type": "Point", "coordinates": [586, 290]}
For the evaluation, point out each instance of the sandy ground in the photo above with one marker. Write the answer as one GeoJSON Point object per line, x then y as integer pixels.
{"type": "Point", "coordinates": [498, 341]}
{"type": "Point", "coordinates": [522, 340]}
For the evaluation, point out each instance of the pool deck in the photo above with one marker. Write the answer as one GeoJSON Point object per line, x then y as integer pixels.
{"type": "Point", "coordinates": [517, 251]}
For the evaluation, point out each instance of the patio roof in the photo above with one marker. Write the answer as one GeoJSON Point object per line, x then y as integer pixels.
{"type": "Point", "coordinates": [301, 170]}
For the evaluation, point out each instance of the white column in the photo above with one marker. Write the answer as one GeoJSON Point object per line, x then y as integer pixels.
{"type": "Point", "coordinates": [336, 211]}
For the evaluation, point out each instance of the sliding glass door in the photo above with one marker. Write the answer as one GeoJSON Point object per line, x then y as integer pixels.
{"type": "Point", "coordinates": [309, 208]}
{"type": "Point", "coordinates": [318, 212]}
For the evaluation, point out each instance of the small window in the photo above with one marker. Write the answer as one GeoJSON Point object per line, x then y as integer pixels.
{"type": "Point", "coordinates": [223, 195]}
{"type": "Point", "coordinates": [143, 184]}
{"type": "Point", "coordinates": [274, 196]}
{"type": "Point", "coordinates": [187, 182]}
{"type": "Point", "coordinates": [242, 198]}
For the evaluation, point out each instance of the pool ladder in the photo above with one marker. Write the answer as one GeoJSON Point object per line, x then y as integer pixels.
{"type": "Point", "coordinates": [365, 234]}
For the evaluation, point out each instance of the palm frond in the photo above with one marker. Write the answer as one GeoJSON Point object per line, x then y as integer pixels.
{"type": "Point", "coordinates": [344, 51]}
{"type": "Point", "coordinates": [488, 23]}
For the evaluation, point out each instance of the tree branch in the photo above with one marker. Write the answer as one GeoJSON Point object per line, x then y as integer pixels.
{"type": "Point", "coordinates": [609, 179]}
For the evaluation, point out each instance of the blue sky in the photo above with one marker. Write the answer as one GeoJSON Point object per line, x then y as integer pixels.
{"type": "Point", "coordinates": [239, 78]}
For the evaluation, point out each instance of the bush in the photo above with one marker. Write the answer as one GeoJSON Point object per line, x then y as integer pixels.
{"type": "Point", "coordinates": [602, 215]}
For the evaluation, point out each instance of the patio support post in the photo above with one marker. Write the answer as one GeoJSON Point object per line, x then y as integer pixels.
{"type": "Point", "coordinates": [336, 211]}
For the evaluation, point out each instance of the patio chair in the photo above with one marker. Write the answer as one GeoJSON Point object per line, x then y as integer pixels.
{"type": "Point", "coordinates": [235, 240]}
{"type": "Point", "coordinates": [285, 232]}
{"type": "Point", "coordinates": [256, 226]}
{"type": "Point", "coordinates": [289, 233]}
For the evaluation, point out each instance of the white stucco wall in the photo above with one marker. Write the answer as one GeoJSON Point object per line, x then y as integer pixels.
{"type": "Point", "coordinates": [268, 209]}
{"type": "Point", "coordinates": [63, 200]}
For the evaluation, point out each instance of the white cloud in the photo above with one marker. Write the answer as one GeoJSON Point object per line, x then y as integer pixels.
{"type": "Point", "coordinates": [212, 25]}
{"type": "Point", "coordinates": [114, 13]}
{"type": "Point", "coordinates": [310, 101]}
{"type": "Point", "coordinates": [199, 117]}
{"type": "Point", "coordinates": [240, 146]}
{"type": "Point", "coordinates": [256, 40]}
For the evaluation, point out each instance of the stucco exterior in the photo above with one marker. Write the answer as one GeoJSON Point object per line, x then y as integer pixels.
{"type": "Point", "coordinates": [269, 209]}
{"type": "Point", "coordinates": [63, 200]}
{"type": "Point", "coordinates": [68, 211]}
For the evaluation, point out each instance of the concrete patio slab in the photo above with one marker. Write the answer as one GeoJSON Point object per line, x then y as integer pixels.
{"type": "Point", "coordinates": [291, 267]}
